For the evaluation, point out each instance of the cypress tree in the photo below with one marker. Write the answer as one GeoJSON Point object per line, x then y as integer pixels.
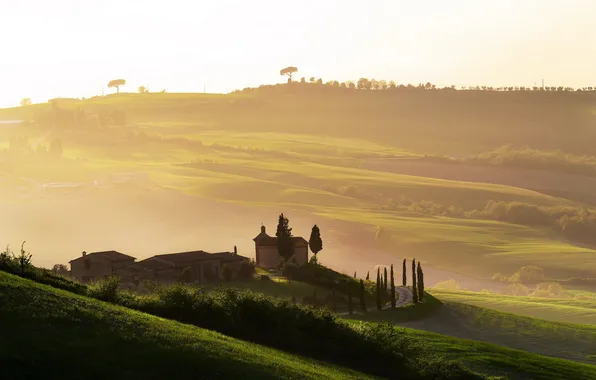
{"type": "Point", "coordinates": [403, 276]}
{"type": "Point", "coordinates": [414, 285]}
{"type": "Point", "coordinates": [367, 275]}
{"type": "Point", "coordinates": [354, 274]}
{"type": "Point", "coordinates": [385, 283]}
{"type": "Point", "coordinates": [362, 303]}
{"type": "Point", "coordinates": [379, 279]}
{"type": "Point", "coordinates": [350, 306]}
{"type": "Point", "coordinates": [420, 282]}
{"type": "Point", "coordinates": [392, 288]}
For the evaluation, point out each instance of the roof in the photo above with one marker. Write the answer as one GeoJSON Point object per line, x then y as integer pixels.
{"type": "Point", "coordinates": [194, 256]}
{"type": "Point", "coordinates": [113, 256]}
{"type": "Point", "coordinates": [263, 239]}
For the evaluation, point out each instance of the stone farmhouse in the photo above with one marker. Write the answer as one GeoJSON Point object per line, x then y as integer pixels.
{"type": "Point", "coordinates": [203, 266]}
{"type": "Point", "coordinates": [267, 255]}
{"type": "Point", "coordinates": [97, 265]}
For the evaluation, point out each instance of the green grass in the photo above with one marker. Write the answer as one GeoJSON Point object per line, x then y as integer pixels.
{"type": "Point", "coordinates": [51, 334]}
{"type": "Point", "coordinates": [501, 361]}
{"type": "Point", "coordinates": [580, 310]}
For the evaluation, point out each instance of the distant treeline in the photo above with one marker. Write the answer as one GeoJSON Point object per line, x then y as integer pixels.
{"type": "Point", "coordinates": [572, 222]}
{"type": "Point", "coordinates": [383, 85]}
{"type": "Point", "coordinates": [532, 159]}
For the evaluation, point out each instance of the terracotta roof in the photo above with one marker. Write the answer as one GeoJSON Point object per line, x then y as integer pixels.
{"type": "Point", "coordinates": [194, 256]}
{"type": "Point", "coordinates": [263, 239]}
{"type": "Point", "coordinates": [113, 256]}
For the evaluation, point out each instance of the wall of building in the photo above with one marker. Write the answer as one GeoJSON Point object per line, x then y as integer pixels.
{"type": "Point", "coordinates": [98, 269]}
{"type": "Point", "coordinates": [301, 255]}
{"type": "Point", "coordinates": [268, 257]}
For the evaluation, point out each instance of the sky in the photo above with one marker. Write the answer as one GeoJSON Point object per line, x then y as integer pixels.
{"type": "Point", "coordinates": [73, 48]}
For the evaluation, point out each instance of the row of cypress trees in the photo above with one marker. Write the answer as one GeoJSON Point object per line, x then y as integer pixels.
{"type": "Point", "coordinates": [385, 284]}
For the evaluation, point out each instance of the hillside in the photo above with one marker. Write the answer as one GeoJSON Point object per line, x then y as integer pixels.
{"type": "Point", "coordinates": [45, 331]}
{"type": "Point", "coordinates": [350, 161]}
{"type": "Point", "coordinates": [580, 309]}
{"type": "Point", "coordinates": [556, 339]}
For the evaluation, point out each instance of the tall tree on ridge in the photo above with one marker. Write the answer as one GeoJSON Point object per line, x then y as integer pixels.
{"type": "Point", "coordinates": [392, 288]}
{"type": "Point", "coordinates": [414, 285]}
{"type": "Point", "coordinates": [403, 275]}
{"type": "Point", "coordinates": [379, 279]}
{"type": "Point", "coordinates": [420, 282]}
{"type": "Point", "coordinates": [367, 275]}
{"type": "Point", "coordinates": [289, 71]}
{"type": "Point", "coordinates": [385, 283]}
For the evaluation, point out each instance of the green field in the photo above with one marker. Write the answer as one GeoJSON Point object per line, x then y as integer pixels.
{"type": "Point", "coordinates": [575, 309]}
{"type": "Point", "coordinates": [45, 331]}
{"type": "Point", "coordinates": [287, 152]}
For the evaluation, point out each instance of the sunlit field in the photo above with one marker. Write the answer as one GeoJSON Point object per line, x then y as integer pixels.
{"type": "Point", "coordinates": [578, 307]}
{"type": "Point", "coordinates": [226, 148]}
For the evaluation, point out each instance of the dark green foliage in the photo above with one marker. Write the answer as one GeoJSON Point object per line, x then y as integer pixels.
{"type": "Point", "coordinates": [393, 300]}
{"type": "Point", "coordinates": [362, 300]}
{"type": "Point", "coordinates": [285, 246]}
{"type": "Point", "coordinates": [322, 276]}
{"type": "Point", "coordinates": [105, 290]}
{"type": "Point", "coordinates": [379, 350]}
{"type": "Point", "coordinates": [315, 243]}
{"type": "Point", "coordinates": [246, 271]}
{"type": "Point", "coordinates": [350, 304]}
{"type": "Point", "coordinates": [368, 276]}
{"type": "Point", "coordinates": [420, 275]}
{"type": "Point", "coordinates": [379, 285]}
{"type": "Point", "coordinates": [414, 285]}
{"type": "Point", "coordinates": [333, 300]}
{"type": "Point", "coordinates": [9, 262]}
{"type": "Point", "coordinates": [403, 276]}
{"type": "Point", "coordinates": [385, 283]}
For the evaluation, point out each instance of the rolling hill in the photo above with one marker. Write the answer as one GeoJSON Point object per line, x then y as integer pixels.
{"type": "Point", "coordinates": [52, 334]}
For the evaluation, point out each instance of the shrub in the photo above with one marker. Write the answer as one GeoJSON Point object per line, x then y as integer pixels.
{"type": "Point", "coordinates": [528, 275]}
{"type": "Point", "coordinates": [106, 289]}
{"type": "Point", "coordinates": [516, 289]}
{"type": "Point", "coordinates": [246, 270]}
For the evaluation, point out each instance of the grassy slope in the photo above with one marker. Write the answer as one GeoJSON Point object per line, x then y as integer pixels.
{"type": "Point", "coordinates": [51, 334]}
{"type": "Point", "coordinates": [557, 339]}
{"type": "Point", "coordinates": [571, 310]}
{"type": "Point", "coordinates": [276, 151]}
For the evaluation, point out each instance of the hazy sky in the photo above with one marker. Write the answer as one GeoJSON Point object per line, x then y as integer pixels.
{"type": "Point", "coordinates": [70, 48]}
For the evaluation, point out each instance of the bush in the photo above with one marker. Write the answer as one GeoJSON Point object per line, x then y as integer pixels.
{"type": "Point", "coordinates": [528, 275]}
{"type": "Point", "coordinates": [516, 289]}
{"type": "Point", "coordinates": [246, 271]}
{"type": "Point", "coordinates": [549, 290]}
{"type": "Point", "coordinates": [106, 289]}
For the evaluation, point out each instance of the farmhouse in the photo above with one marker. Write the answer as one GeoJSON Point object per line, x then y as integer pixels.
{"type": "Point", "coordinates": [267, 255]}
{"type": "Point", "coordinates": [203, 266]}
{"type": "Point", "coordinates": [97, 265]}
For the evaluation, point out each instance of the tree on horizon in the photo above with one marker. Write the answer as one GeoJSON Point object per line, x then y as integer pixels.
{"type": "Point", "coordinates": [289, 71]}
{"type": "Point", "coordinates": [116, 83]}
{"type": "Point", "coordinates": [385, 283]}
